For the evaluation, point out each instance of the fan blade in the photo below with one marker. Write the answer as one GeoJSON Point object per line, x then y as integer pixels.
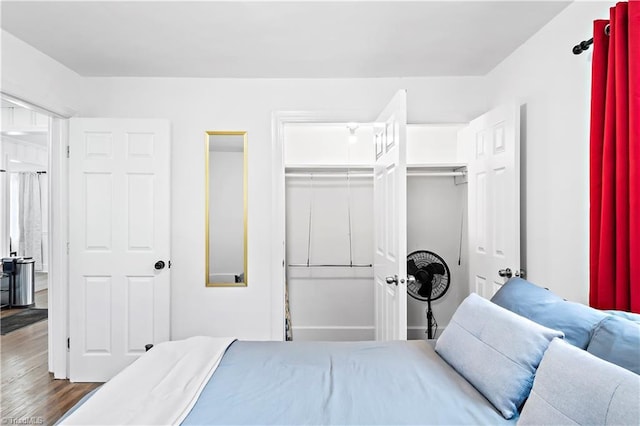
{"type": "Point", "coordinates": [427, 283]}
{"type": "Point", "coordinates": [435, 268]}
{"type": "Point", "coordinates": [412, 269]}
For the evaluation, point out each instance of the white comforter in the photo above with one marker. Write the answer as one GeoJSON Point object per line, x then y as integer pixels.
{"type": "Point", "coordinates": [159, 388]}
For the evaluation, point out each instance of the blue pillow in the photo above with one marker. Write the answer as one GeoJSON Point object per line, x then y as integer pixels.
{"type": "Point", "coordinates": [496, 350]}
{"type": "Point", "coordinates": [617, 340]}
{"type": "Point", "coordinates": [544, 307]}
{"type": "Point", "coordinates": [626, 315]}
{"type": "Point", "coordinates": [574, 387]}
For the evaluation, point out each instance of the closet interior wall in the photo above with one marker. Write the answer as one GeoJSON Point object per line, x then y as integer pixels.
{"type": "Point", "coordinates": [437, 222]}
{"type": "Point", "coordinates": [322, 209]}
{"type": "Point", "coordinates": [330, 303]}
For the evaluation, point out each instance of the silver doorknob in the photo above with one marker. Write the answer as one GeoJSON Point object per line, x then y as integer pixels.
{"type": "Point", "coordinates": [392, 280]}
{"type": "Point", "coordinates": [505, 273]}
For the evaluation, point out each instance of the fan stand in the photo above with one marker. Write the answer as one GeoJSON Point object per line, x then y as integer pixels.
{"type": "Point", "coordinates": [432, 274]}
{"type": "Point", "coordinates": [429, 320]}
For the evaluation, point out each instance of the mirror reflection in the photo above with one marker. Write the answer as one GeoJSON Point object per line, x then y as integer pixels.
{"type": "Point", "coordinates": [226, 182]}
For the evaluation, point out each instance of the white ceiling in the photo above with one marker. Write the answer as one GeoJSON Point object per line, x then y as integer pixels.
{"type": "Point", "coordinates": [277, 39]}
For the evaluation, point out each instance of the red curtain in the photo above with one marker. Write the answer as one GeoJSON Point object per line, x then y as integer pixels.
{"type": "Point", "coordinates": [615, 161]}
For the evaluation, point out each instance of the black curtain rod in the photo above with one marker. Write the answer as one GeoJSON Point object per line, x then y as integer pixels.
{"type": "Point", "coordinates": [584, 45]}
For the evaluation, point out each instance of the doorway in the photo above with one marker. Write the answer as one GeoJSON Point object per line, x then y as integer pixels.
{"type": "Point", "coordinates": [34, 355]}
{"type": "Point", "coordinates": [24, 220]}
{"type": "Point", "coordinates": [461, 148]}
{"type": "Point", "coordinates": [35, 138]}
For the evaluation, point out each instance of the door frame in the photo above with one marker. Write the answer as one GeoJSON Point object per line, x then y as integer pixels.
{"type": "Point", "coordinates": [278, 216]}
{"type": "Point", "coordinates": [58, 323]}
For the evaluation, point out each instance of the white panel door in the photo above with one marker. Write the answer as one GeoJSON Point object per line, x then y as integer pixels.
{"type": "Point", "coordinates": [390, 221]}
{"type": "Point", "coordinates": [494, 198]}
{"type": "Point", "coordinates": [119, 229]}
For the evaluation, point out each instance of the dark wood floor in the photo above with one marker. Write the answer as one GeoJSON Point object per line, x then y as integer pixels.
{"type": "Point", "coordinates": [29, 393]}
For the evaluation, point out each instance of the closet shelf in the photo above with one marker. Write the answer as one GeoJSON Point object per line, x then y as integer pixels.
{"type": "Point", "coordinates": [330, 171]}
{"type": "Point", "coordinates": [437, 167]}
{"type": "Point", "coordinates": [327, 168]}
{"type": "Point", "coordinates": [341, 171]}
{"type": "Point", "coordinates": [337, 168]}
{"type": "Point", "coordinates": [456, 170]}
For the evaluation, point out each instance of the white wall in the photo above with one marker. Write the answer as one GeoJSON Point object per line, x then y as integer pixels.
{"type": "Point", "coordinates": [553, 84]}
{"type": "Point", "coordinates": [306, 144]}
{"type": "Point", "coordinates": [196, 105]}
{"type": "Point", "coordinates": [434, 144]}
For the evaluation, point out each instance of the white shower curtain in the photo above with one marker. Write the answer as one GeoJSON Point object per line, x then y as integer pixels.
{"type": "Point", "coordinates": [30, 217]}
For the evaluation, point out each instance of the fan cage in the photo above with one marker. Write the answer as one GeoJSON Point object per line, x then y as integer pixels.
{"type": "Point", "coordinates": [440, 283]}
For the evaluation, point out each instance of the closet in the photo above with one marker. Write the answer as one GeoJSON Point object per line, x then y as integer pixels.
{"type": "Point", "coordinates": [330, 225]}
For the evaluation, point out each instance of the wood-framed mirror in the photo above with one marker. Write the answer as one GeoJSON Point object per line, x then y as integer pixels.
{"type": "Point", "coordinates": [226, 208]}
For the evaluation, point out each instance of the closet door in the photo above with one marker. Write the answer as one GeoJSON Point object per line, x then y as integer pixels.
{"type": "Point", "coordinates": [390, 210]}
{"type": "Point", "coordinates": [494, 198]}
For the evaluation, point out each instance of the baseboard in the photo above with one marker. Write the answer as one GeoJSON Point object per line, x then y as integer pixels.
{"type": "Point", "coordinates": [333, 333]}
{"type": "Point", "coordinates": [354, 333]}
{"type": "Point", "coordinates": [418, 332]}
{"type": "Point", "coordinates": [40, 285]}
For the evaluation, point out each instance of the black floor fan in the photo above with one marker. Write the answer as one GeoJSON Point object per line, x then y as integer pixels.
{"type": "Point", "coordinates": [431, 281]}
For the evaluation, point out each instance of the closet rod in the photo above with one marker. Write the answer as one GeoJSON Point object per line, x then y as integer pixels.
{"type": "Point", "coordinates": [305, 265]}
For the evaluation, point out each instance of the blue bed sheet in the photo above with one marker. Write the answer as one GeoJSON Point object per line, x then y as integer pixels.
{"type": "Point", "coordinates": [339, 383]}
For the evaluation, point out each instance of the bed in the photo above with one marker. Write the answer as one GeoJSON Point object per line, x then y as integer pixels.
{"type": "Point", "coordinates": [491, 366]}
{"type": "Point", "coordinates": [336, 383]}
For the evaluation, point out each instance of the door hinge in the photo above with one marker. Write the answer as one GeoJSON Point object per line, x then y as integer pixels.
{"type": "Point", "coordinates": [67, 151]}
{"type": "Point", "coordinates": [67, 247]}
{"type": "Point", "coordinates": [68, 343]}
